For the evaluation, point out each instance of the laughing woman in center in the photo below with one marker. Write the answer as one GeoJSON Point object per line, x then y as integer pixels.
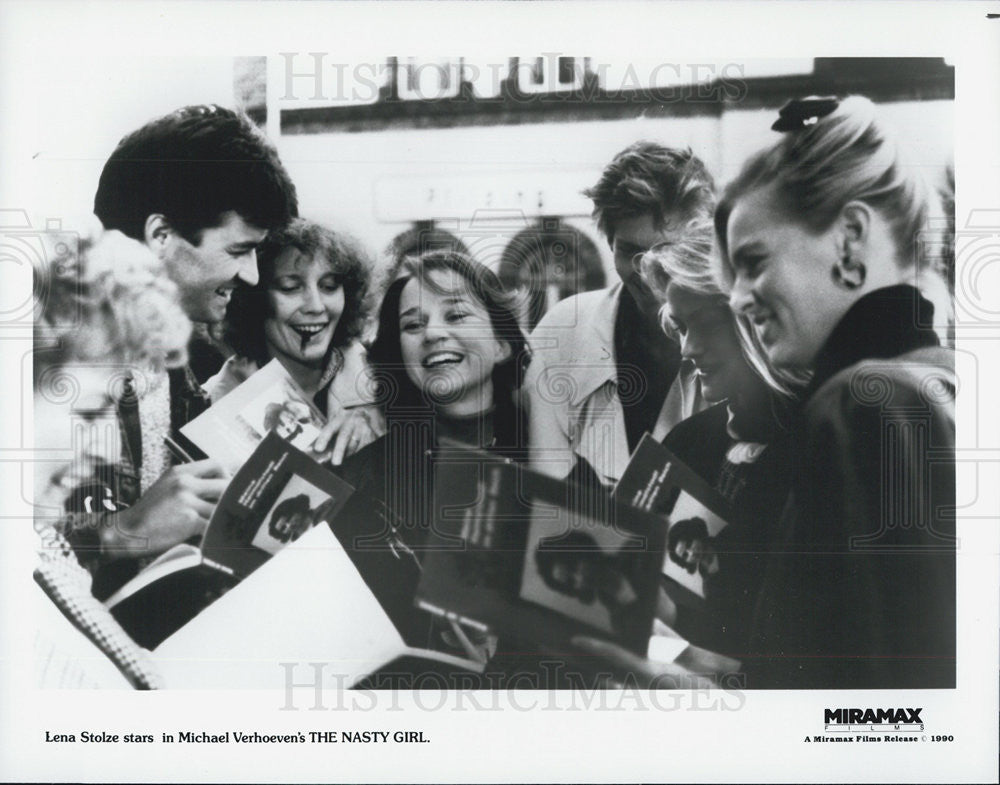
{"type": "Point", "coordinates": [448, 359]}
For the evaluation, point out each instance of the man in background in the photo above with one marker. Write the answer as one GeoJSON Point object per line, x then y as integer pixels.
{"type": "Point", "coordinates": [603, 372]}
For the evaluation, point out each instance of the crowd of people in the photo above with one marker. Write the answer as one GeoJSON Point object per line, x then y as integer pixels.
{"type": "Point", "coordinates": [782, 336]}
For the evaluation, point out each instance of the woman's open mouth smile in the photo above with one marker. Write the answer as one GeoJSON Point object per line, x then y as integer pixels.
{"type": "Point", "coordinates": [440, 359]}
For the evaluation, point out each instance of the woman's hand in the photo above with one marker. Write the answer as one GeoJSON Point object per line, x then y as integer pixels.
{"type": "Point", "coordinates": [354, 428]}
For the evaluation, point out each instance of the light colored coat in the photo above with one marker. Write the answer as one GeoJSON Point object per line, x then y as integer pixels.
{"type": "Point", "coordinates": [572, 389]}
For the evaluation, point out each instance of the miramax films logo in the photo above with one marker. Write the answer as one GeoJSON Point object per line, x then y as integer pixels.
{"type": "Point", "coordinates": [853, 724]}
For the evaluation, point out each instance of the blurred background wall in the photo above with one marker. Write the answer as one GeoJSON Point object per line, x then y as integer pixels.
{"type": "Point", "coordinates": [486, 156]}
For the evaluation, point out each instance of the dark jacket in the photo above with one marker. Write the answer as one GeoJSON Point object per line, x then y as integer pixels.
{"type": "Point", "coordinates": [117, 487]}
{"type": "Point", "coordinates": [859, 591]}
{"type": "Point", "coordinates": [384, 524]}
{"type": "Point", "coordinates": [384, 527]}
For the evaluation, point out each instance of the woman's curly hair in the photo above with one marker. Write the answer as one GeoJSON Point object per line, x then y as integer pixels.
{"type": "Point", "coordinates": [243, 329]}
{"type": "Point", "coordinates": [106, 298]}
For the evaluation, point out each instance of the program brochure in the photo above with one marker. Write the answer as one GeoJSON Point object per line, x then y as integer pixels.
{"type": "Point", "coordinates": [274, 498]}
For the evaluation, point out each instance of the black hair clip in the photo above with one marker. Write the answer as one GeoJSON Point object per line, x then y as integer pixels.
{"type": "Point", "coordinates": [802, 112]}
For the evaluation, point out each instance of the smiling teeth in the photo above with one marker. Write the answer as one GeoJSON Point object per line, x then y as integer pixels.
{"type": "Point", "coordinates": [441, 359]}
{"type": "Point", "coordinates": [309, 329]}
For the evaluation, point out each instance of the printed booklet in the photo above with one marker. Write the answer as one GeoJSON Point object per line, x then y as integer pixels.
{"type": "Point", "coordinates": [277, 495]}
{"type": "Point", "coordinates": [307, 616]}
{"type": "Point", "coordinates": [523, 555]}
{"type": "Point", "coordinates": [656, 481]}
{"type": "Point", "coordinates": [269, 401]}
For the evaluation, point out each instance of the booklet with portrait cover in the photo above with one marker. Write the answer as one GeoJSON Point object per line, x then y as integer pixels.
{"type": "Point", "coordinates": [538, 559]}
{"type": "Point", "coordinates": [275, 496]}
{"type": "Point", "coordinates": [269, 401]}
{"type": "Point", "coordinates": [656, 481]}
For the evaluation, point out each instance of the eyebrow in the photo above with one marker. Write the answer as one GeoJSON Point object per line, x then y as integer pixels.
{"type": "Point", "coordinates": [242, 247]}
{"type": "Point", "coordinates": [449, 300]}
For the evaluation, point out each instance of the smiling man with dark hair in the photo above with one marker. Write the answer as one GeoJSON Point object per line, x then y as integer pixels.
{"type": "Point", "coordinates": [201, 187]}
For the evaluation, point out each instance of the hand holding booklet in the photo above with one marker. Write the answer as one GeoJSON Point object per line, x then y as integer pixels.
{"type": "Point", "coordinates": [229, 431]}
{"type": "Point", "coordinates": [277, 495]}
{"type": "Point", "coordinates": [523, 558]}
{"type": "Point", "coordinates": [310, 604]}
{"type": "Point", "coordinates": [219, 601]}
{"type": "Point", "coordinates": [511, 552]}
{"type": "Point", "coordinates": [529, 564]}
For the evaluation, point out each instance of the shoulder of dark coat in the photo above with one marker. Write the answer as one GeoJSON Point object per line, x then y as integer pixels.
{"type": "Point", "coordinates": [912, 386]}
{"type": "Point", "coordinates": [925, 374]}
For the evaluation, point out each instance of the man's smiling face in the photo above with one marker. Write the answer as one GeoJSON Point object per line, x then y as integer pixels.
{"type": "Point", "coordinates": [207, 273]}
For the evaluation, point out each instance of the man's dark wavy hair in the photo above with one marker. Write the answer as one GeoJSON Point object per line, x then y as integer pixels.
{"type": "Point", "coordinates": [192, 166]}
{"type": "Point", "coordinates": [649, 178]}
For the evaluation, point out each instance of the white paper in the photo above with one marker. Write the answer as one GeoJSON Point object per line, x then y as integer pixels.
{"type": "Point", "coordinates": [307, 604]}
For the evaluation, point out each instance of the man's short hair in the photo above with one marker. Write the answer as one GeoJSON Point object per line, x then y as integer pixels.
{"type": "Point", "coordinates": [648, 178]}
{"type": "Point", "coordinates": [192, 166]}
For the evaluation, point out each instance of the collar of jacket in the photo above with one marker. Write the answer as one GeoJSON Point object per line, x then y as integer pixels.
{"type": "Point", "coordinates": [882, 324]}
{"type": "Point", "coordinates": [334, 365]}
{"type": "Point", "coordinates": [187, 398]}
{"type": "Point", "coordinates": [593, 363]}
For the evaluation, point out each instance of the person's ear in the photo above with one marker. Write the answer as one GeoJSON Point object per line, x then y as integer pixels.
{"type": "Point", "coordinates": [503, 351]}
{"type": "Point", "coordinates": [157, 233]}
{"type": "Point", "coordinates": [854, 228]}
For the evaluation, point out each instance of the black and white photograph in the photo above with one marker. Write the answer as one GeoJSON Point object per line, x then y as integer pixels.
{"type": "Point", "coordinates": [691, 544]}
{"type": "Point", "coordinates": [299, 507]}
{"type": "Point", "coordinates": [632, 366]}
{"type": "Point", "coordinates": [290, 418]}
{"type": "Point", "coordinates": [576, 574]}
